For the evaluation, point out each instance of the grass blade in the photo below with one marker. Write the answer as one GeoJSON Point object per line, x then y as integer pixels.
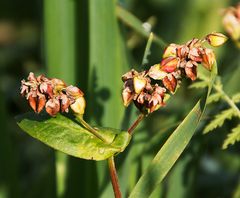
{"type": "Point", "coordinates": [147, 51]}
{"type": "Point", "coordinates": [107, 62]}
{"type": "Point", "coordinates": [133, 22]}
{"type": "Point", "coordinates": [59, 24]}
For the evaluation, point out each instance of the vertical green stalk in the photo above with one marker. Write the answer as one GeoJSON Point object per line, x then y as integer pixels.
{"type": "Point", "coordinates": [59, 27]}
{"type": "Point", "coordinates": [107, 63]}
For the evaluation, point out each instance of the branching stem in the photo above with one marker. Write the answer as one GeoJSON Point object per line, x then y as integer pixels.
{"type": "Point", "coordinates": [135, 124]}
{"type": "Point", "coordinates": [114, 177]}
{"type": "Point", "coordinates": [227, 99]}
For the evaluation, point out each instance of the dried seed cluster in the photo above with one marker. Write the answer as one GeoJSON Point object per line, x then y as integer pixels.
{"type": "Point", "coordinates": [231, 21]}
{"type": "Point", "coordinates": [147, 89]}
{"type": "Point", "coordinates": [53, 94]}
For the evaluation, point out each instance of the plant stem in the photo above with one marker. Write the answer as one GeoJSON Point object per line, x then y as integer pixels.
{"type": "Point", "coordinates": [114, 177]}
{"type": "Point", "coordinates": [135, 124]}
{"type": "Point", "coordinates": [133, 22]}
{"type": "Point", "coordinates": [91, 129]}
{"type": "Point", "coordinates": [227, 99]}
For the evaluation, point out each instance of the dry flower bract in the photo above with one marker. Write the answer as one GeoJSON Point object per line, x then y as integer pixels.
{"type": "Point", "coordinates": [147, 89]}
{"type": "Point", "coordinates": [53, 94]}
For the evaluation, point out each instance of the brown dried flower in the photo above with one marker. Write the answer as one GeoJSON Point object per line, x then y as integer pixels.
{"type": "Point", "coordinates": [231, 21]}
{"type": "Point", "coordinates": [53, 94]}
{"type": "Point", "coordinates": [147, 89]}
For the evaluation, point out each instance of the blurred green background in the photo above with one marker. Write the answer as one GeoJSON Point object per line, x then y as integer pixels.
{"type": "Point", "coordinates": [90, 43]}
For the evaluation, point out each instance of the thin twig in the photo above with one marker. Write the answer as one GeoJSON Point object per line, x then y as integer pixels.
{"type": "Point", "coordinates": [114, 177]}
{"type": "Point", "coordinates": [135, 124]}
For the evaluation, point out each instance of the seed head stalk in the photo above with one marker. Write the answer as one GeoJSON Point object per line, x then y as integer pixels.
{"type": "Point", "coordinates": [135, 124]}
{"type": "Point", "coordinates": [114, 177]}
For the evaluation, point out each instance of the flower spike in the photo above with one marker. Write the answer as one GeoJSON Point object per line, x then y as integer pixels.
{"type": "Point", "coordinates": [147, 89]}
{"type": "Point", "coordinates": [53, 94]}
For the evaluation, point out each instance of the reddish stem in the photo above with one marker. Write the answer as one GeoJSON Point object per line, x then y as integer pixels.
{"type": "Point", "coordinates": [114, 177]}
{"type": "Point", "coordinates": [135, 124]}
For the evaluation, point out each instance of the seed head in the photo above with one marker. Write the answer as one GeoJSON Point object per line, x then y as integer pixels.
{"type": "Point", "coordinates": [208, 58]}
{"type": "Point", "coordinates": [53, 94]}
{"type": "Point", "coordinates": [147, 89]}
{"type": "Point", "coordinates": [170, 82]}
{"type": "Point", "coordinates": [156, 73]}
{"type": "Point", "coordinates": [171, 50]}
{"type": "Point", "coordinates": [170, 64]}
{"type": "Point", "coordinates": [139, 84]}
{"type": "Point", "coordinates": [79, 105]}
{"type": "Point", "coordinates": [216, 39]}
{"type": "Point", "coordinates": [52, 106]}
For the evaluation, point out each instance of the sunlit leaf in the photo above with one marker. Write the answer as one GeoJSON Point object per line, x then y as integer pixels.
{"type": "Point", "coordinates": [219, 120]}
{"type": "Point", "coordinates": [214, 98]}
{"type": "Point", "coordinates": [236, 98]}
{"type": "Point", "coordinates": [233, 137]}
{"type": "Point", "coordinates": [197, 85]}
{"type": "Point", "coordinates": [69, 137]}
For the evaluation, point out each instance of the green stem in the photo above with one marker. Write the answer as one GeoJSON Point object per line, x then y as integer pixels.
{"type": "Point", "coordinates": [133, 22]}
{"type": "Point", "coordinates": [227, 99]}
{"type": "Point", "coordinates": [135, 124]}
{"type": "Point", "coordinates": [114, 177]}
{"type": "Point", "coordinates": [91, 129]}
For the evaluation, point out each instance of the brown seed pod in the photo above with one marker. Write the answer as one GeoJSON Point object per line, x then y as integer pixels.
{"type": "Point", "coordinates": [52, 106]}
{"type": "Point", "coordinates": [170, 82]}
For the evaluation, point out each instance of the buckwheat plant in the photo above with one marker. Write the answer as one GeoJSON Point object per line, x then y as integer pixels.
{"type": "Point", "coordinates": [147, 89]}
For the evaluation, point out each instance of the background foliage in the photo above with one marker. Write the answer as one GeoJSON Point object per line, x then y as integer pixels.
{"type": "Point", "coordinates": [91, 44]}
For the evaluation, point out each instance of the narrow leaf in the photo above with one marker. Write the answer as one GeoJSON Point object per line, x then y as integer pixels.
{"type": "Point", "coordinates": [132, 21]}
{"type": "Point", "coordinates": [147, 51]}
{"type": "Point", "coordinates": [60, 53]}
{"type": "Point", "coordinates": [219, 120]}
{"type": "Point", "coordinates": [214, 98]}
{"type": "Point", "coordinates": [199, 85]}
{"type": "Point", "coordinates": [236, 98]}
{"type": "Point", "coordinates": [67, 136]}
{"type": "Point", "coordinates": [172, 149]}
{"type": "Point", "coordinates": [233, 137]}
{"type": "Point", "coordinates": [108, 61]}
{"type": "Point", "coordinates": [59, 27]}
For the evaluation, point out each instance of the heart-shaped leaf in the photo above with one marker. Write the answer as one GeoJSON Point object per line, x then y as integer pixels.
{"type": "Point", "coordinates": [63, 134]}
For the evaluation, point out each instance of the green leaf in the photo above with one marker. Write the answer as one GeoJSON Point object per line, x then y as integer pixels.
{"type": "Point", "coordinates": [214, 98]}
{"type": "Point", "coordinates": [172, 149]}
{"type": "Point", "coordinates": [233, 137]}
{"type": "Point", "coordinates": [236, 98]}
{"type": "Point", "coordinates": [65, 135]}
{"type": "Point", "coordinates": [60, 39]}
{"type": "Point", "coordinates": [108, 61]}
{"type": "Point", "coordinates": [219, 120]}
{"type": "Point", "coordinates": [199, 85]}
